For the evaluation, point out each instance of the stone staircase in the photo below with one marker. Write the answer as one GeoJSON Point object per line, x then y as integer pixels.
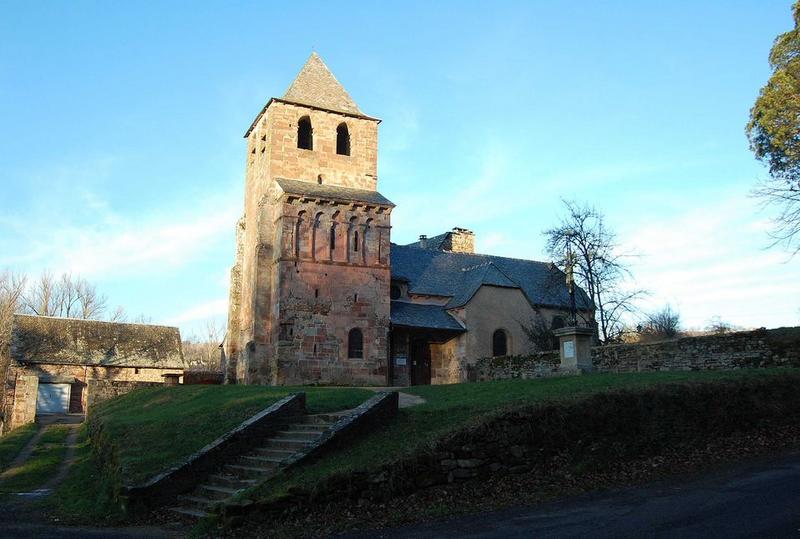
{"type": "Point", "coordinates": [260, 464]}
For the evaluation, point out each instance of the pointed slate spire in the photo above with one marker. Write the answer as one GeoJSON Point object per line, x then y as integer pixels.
{"type": "Point", "coordinates": [316, 86]}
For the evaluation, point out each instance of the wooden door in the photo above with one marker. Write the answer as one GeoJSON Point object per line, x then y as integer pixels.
{"type": "Point", "coordinates": [420, 363]}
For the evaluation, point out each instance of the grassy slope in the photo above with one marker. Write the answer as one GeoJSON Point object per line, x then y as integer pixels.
{"type": "Point", "coordinates": [42, 464]}
{"type": "Point", "coordinates": [153, 429]}
{"type": "Point", "coordinates": [86, 495]}
{"type": "Point", "coordinates": [451, 407]}
{"type": "Point", "coordinates": [13, 442]}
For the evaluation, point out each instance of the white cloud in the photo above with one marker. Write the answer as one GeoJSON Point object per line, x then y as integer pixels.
{"type": "Point", "coordinates": [201, 312]}
{"type": "Point", "coordinates": [711, 262]}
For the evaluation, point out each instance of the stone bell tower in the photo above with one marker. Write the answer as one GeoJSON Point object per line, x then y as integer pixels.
{"type": "Point", "coordinates": [309, 295]}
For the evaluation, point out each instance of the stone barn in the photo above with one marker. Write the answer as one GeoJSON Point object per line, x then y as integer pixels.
{"type": "Point", "coordinates": [54, 363]}
{"type": "Point", "coordinates": [319, 294]}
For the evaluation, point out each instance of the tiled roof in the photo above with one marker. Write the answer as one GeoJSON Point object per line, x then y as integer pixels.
{"type": "Point", "coordinates": [332, 192]}
{"type": "Point", "coordinates": [316, 86]}
{"type": "Point", "coordinates": [416, 315]}
{"type": "Point", "coordinates": [43, 339]}
{"type": "Point", "coordinates": [460, 275]}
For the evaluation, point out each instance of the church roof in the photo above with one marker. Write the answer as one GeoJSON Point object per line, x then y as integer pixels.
{"type": "Point", "coordinates": [417, 315]}
{"type": "Point", "coordinates": [69, 341]}
{"type": "Point", "coordinates": [316, 86]}
{"type": "Point", "coordinates": [332, 192]}
{"type": "Point", "coordinates": [460, 275]}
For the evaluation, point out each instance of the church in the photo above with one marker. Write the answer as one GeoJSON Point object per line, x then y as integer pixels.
{"type": "Point", "coordinates": [320, 295]}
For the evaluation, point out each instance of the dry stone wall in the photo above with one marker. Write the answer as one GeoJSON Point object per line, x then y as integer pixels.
{"type": "Point", "coordinates": [747, 349]}
{"type": "Point", "coordinates": [741, 350]}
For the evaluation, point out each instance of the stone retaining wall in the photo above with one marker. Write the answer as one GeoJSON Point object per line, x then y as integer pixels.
{"type": "Point", "coordinates": [538, 365]}
{"type": "Point", "coordinates": [102, 390]}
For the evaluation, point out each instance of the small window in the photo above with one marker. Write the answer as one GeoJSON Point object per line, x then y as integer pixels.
{"type": "Point", "coordinates": [319, 179]}
{"type": "Point", "coordinates": [135, 371]}
{"type": "Point", "coordinates": [355, 240]}
{"type": "Point", "coordinates": [394, 292]}
{"type": "Point", "coordinates": [305, 134]}
{"type": "Point", "coordinates": [342, 139]}
{"type": "Point", "coordinates": [316, 292]}
{"type": "Point", "coordinates": [499, 343]}
{"type": "Point", "coordinates": [355, 344]}
{"type": "Point", "coordinates": [333, 237]}
{"type": "Point", "coordinates": [355, 297]}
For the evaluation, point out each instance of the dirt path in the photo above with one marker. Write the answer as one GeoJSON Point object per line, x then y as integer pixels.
{"type": "Point", "coordinates": [406, 400]}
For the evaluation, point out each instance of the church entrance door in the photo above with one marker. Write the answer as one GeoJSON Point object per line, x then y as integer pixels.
{"type": "Point", "coordinates": [420, 362]}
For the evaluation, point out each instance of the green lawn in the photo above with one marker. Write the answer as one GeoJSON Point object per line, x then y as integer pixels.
{"type": "Point", "coordinates": [13, 442]}
{"type": "Point", "coordinates": [451, 407]}
{"type": "Point", "coordinates": [153, 429]}
{"type": "Point", "coordinates": [43, 463]}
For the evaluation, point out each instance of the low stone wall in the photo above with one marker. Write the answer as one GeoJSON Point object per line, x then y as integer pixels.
{"type": "Point", "coordinates": [746, 349]}
{"type": "Point", "coordinates": [185, 476]}
{"type": "Point", "coordinates": [538, 365]}
{"type": "Point", "coordinates": [612, 426]}
{"type": "Point", "coordinates": [102, 390]}
{"type": "Point", "coordinates": [202, 377]}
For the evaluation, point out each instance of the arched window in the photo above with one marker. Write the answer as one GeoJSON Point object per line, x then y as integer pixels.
{"type": "Point", "coordinates": [305, 134]}
{"type": "Point", "coordinates": [298, 234]}
{"type": "Point", "coordinates": [332, 241]}
{"type": "Point", "coordinates": [355, 344]}
{"type": "Point", "coordinates": [355, 240]}
{"type": "Point", "coordinates": [342, 139]}
{"type": "Point", "coordinates": [499, 343]}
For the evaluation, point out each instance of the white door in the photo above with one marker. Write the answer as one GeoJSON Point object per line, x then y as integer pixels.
{"type": "Point", "coordinates": [53, 399]}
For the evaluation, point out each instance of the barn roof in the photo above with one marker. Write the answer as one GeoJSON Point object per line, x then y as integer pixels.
{"type": "Point", "coordinates": [43, 339]}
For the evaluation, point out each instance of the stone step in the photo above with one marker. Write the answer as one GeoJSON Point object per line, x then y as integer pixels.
{"type": "Point", "coordinates": [188, 511]}
{"type": "Point", "coordinates": [197, 502]}
{"type": "Point", "coordinates": [230, 481]}
{"type": "Point", "coordinates": [249, 472]}
{"type": "Point", "coordinates": [330, 419]}
{"type": "Point", "coordinates": [314, 427]}
{"type": "Point", "coordinates": [309, 435]}
{"type": "Point", "coordinates": [259, 461]}
{"type": "Point", "coordinates": [287, 443]}
{"type": "Point", "coordinates": [279, 454]}
{"type": "Point", "coordinates": [213, 492]}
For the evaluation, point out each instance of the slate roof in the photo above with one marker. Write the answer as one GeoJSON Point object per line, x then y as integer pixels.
{"type": "Point", "coordinates": [332, 192]}
{"type": "Point", "coordinates": [416, 315]}
{"type": "Point", "coordinates": [316, 86]}
{"type": "Point", "coordinates": [434, 242]}
{"type": "Point", "coordinates": [460, 275]}
{"type": "Point", "coordinates": [43, 339]}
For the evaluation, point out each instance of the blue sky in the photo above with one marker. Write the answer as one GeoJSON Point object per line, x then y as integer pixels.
{"type": "Point", "coordinates": [122, 157]}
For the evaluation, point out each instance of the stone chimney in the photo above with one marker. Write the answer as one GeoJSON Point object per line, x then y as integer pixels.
{"type": "Point", "coordinates": [423, 241]}
{"type": "Point", "coordinates": [460, 240]}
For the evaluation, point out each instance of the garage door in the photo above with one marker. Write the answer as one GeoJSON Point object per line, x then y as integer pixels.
{"type": "Point", "coordinates": [53, 399]}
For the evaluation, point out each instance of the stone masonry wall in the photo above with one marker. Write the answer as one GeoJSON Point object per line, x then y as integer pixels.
{"type": "Point", "coordinates": [747, 349]}
{"type": "Point", "coordinates": [536, 365]}
{"type": "Point", "coordinates": [102, 390]}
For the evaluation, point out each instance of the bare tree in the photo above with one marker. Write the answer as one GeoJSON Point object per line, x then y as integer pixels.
{"type": "Point", "coordinates": [718, 326]}
{"type": "Point", "coordinates": [11, 289]}
{"type": "Point", "coordinates": [66, 296]}
{"type": "Point", "coordinates": [599, 265]}
{"type": "Point", "coordinates": [203, 353]}
{"type": "Point", "coordinates": [662, 324]}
